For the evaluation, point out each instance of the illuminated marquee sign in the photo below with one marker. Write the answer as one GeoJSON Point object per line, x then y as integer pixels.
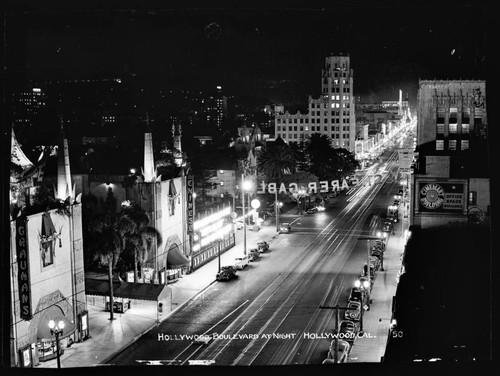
{"type": "Point", "coordinates": [23, 273]}
{"type": "Point", "coordinates": [441, 197]}
{"type": "Point", "coordinates": [313, 187]}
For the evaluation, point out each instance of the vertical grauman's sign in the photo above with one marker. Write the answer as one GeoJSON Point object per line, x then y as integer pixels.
{"type": "Point", "coordinates": [190, 204]}
{"type": "Point", "coordinates": [23, 273]}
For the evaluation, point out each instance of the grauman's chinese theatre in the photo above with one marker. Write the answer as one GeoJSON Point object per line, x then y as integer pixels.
{"type": "Point", "coordinates": [46, 263]}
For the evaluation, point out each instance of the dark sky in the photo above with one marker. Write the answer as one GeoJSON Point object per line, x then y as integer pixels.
{"type": "Point", "coordinates": [274, 52]}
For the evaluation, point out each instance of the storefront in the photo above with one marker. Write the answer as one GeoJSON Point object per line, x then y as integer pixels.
{"type": "Point", "coordinates": [177, 265]}
{"type": "Point", "coordinates": [46, 345]}
{"type": "Point", "coordinates": [125, 292]}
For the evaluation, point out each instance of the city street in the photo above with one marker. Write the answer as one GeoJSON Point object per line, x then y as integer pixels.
{"type": "Point", "coordinates": [270, 314]}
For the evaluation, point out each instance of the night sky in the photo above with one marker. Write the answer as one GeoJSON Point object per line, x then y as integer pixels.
{"type": "Point", "coordinates": [273, 52]}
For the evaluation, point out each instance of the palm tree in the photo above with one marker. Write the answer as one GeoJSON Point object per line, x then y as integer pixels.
{"type": "Point", "coordinates": [276, 160]}
{"type": "Point", "coordinates": [143, 236]}
{"type": "Point", "coordinates": [106, 241]}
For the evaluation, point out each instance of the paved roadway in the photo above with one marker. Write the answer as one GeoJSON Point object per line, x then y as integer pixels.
{"type": "Point", "coordinates": [270, 314]}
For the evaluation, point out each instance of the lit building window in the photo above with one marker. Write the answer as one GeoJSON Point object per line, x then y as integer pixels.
{"type": "Point", "coordinates": [439, 144]}
{"type": "Point", "coordinates": [453, 128]}
{"type": "Point", "coordinates": [440, 128]}
{"type": "Point", "coordinates": [452, 144]}
{"type": "Point", "coordinates": [465, 128]}
{"type": "Point", "coordinates": [464, 144]}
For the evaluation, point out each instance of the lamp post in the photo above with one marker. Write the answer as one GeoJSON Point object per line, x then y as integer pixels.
{"type": "Point", "coordinates": [57, 330]}
{"type": "Point", "coordinates": [245, 185]}
{"type": "Point", "coordinates": [220, 246]}
{"type": "Point", "coordinates": [277, 206]}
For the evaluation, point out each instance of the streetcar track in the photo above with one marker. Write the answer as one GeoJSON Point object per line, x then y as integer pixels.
{"type": "Point", "coordinates": [324, 235]}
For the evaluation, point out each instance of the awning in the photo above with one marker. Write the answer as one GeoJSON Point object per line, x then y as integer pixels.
{"type": "Point", "coordinates": [53, 313]}
{"type": "Point", "coordinates": [175, 259]}
{"type": "Point", "coordinates": [127, 290]}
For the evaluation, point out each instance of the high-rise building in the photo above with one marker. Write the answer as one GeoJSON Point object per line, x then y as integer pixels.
{"type": "Point", "coordinates": [332, 114]}
{"type": "Point", "coordinates": [451, 178]}
{"type": "Point", "coordinates": [26, 106]}
{"type": "Point", "coordinates": [215, 107]}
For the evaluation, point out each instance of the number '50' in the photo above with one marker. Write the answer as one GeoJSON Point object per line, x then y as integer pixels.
{"type": "Point", "coordinates": [397, 334]}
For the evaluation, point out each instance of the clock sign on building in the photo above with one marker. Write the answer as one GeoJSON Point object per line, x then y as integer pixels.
{"type": "Point", "coordinates": [432, 196]}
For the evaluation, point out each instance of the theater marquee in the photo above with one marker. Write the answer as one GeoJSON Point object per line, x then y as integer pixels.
{"type": "Point", "coordinates": [440, 197]}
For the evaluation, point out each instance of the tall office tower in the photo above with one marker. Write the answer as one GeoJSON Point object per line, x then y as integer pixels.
{"type": "Point", "coordinates": [338, 120]}
{"type": "Point", "coordinates": [26, 107]}
{"type": "Point", "coordinates": [332, 114]}
{"type": "Point", "coordinates": [215, 108]}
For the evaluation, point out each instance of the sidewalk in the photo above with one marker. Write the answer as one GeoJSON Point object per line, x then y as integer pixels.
{"type": "Point", "coordinates": [109, 337]}
{"type": "Point", "coordinates": [370, 348]}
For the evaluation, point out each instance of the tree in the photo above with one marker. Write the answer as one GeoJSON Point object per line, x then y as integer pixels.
{"type": "Point", "coordinates": [106, 240]}
{"type": "Point", "coordinates": [143, 237]}
{"type": "Point", "coordinates": [327, 162]}
{"type": "Point", "coordinates": [274, 161]}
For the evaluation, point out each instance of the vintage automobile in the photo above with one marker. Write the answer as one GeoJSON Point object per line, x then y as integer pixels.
{"type": "Point", "coordinates": [226, 273]}
{"type": "Point", "coordinates": [285, 228]}
{"type": "Point", "coordinates": [342, 350]}
{"type": "Point", "coordinates": [242, 262]}
{"type": "Point", "coordinates": [353, 312]}
{"type": "Point", "coordinates": [347, 331]}
{"type": "Point", "coordinates": [263, 246]}
{"type": "Point", "coordinates": [253, 254]}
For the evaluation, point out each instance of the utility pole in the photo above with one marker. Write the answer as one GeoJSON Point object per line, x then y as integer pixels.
{"type": "Point", "coordinates": [336, 308]}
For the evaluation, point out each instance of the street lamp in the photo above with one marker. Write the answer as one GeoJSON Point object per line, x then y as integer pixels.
{"type": "Point", "coordinates": [245, 185]}
{"type": "Point", "coordinates": [277, 206]}
{"type": "Point", "coordinates": [301, 193]}
{"type": "Point", "coordinates": [57, 330]}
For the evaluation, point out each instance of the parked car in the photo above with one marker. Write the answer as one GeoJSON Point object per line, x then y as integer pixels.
{"type": "Point", "coordinates": [241, 262]}
{"type": "Point", "coordinates": [353, 312]}
{"type": "Point", "coordinates": [238, 224]}
{"type": "Point", "coordinates": [363, 284]}
{"type": "Point", "coordinates": [226, 273]}
{"type": "Point", "coordinates": [253, 254]}
{"type": "Point", "coordinates": [375, 261]}
{"type": "Point", "coordinates": [311, 210]}
{"type": "Point", "coordinates": [376, 254]}
{"type": "Point", "coordinates": [342, 350]}
{"type": "Point", "coordinates": [320, 208]}
{"type": "Point", "coordinates": [263, 246]}
{"type": "Point", "coordinates": [356, 295]}
{"type": "Point", "coordinates": [347, 329]}
{"type": "Point", "coordinates": [380, 244]}
{"type": "Point", "coordinates": [387, 226]}
{"type": "Point", "coordinates": [285, 228]}
{"type": "Point", "coordinates": [364, 272]}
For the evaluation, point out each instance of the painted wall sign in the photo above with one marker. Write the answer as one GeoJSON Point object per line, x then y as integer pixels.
{"type": "Point", "coordinates": [23, 275]}
{"type": "Point", "coordinates": [313, 187]}
{"type": "Point", "coordinates": [190, 205]}
{"type": "Point", "coordinates": [441, 197]}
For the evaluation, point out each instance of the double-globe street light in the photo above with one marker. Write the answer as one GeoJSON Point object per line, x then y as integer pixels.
{"type": "Point", "coordinates": [57, 330]}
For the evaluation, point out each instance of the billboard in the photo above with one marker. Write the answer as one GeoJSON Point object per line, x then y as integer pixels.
{"type": "Point", "coordinates": [441, 197]}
